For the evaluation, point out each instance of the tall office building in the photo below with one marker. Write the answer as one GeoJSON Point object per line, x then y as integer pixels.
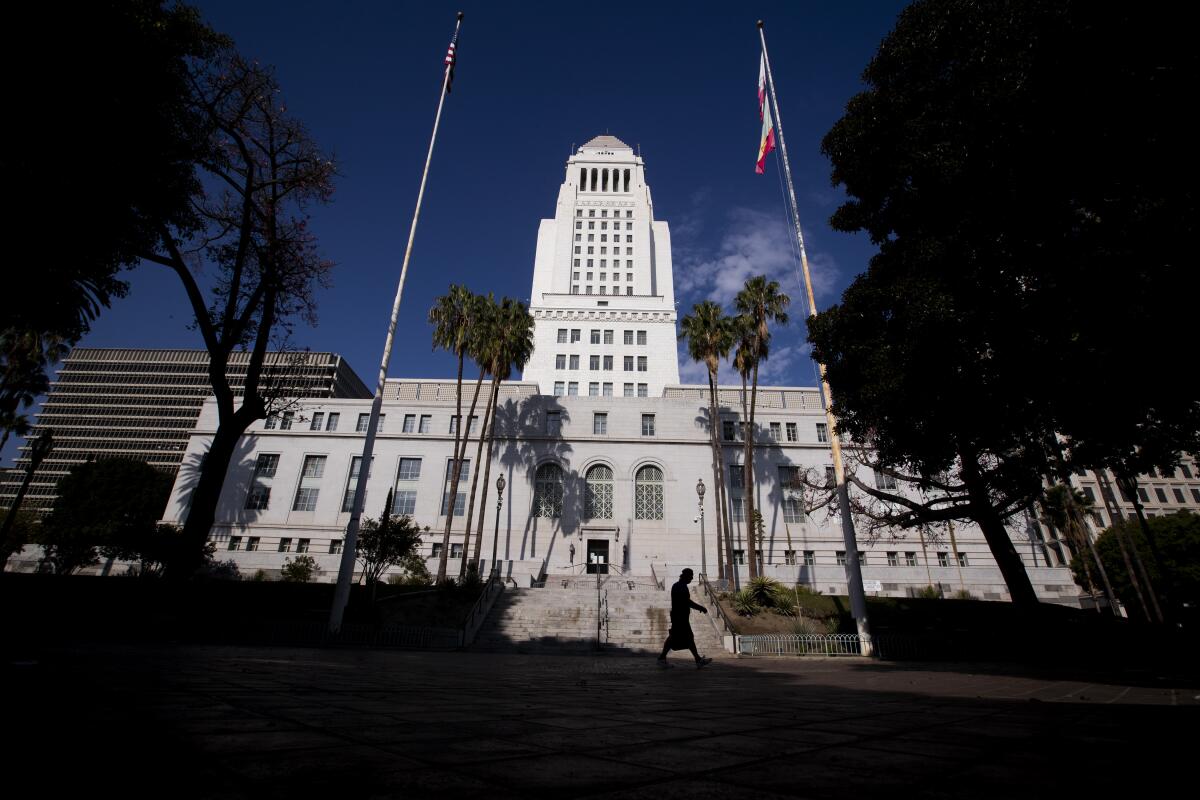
{"type": "Point", "coordinates": [603, 298]}
{"type": "Point", "coordinates": [143, 404]}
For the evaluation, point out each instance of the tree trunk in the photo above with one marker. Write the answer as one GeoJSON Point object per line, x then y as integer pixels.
{"type": "Point", "coordinates": [1133, 576]}
{"type": "Point", "coordinates": [713, 421]}
{"type": "Point", "coordinates": [462, 566]}
{"type": "Point", "coordinates": [487, 474]}
{"type": "Point", "coordinates": [984, 514]}
{"type": "Point", "coordinates": [484, 432]}
{"type": "Point", "coordinates": [754, 521]}
{"type": "Point", "coordinates": [748, 485]}
{"type": "Point", "coordinates": [1129, 483]}
{"type": "Point", "coordinates": [455, 472]}
{"type": "Point", "coordinates": [202, 506]}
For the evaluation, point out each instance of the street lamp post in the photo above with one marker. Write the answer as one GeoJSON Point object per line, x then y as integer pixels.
{"type": "Point", "coordinates": [700, 502]}
{"type": "Point", "coordinates": [496, 532]}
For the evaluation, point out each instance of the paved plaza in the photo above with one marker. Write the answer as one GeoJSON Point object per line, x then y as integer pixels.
{"type": "Point", "coordinates": [190, 721]}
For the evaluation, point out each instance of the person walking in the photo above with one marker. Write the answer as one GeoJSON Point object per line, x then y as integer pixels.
{"type": "Point", "coordinates": [681, 636]}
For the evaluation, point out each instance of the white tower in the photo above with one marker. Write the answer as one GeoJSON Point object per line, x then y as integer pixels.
{"type": "Point", "coordinates": [603, 300]}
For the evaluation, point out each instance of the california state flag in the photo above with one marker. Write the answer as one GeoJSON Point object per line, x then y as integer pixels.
{"type": "Point", "coordinates": [767, 143]}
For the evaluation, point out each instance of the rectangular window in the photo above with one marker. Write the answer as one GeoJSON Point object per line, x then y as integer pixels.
{"type": "Point", "coordinates": [285, 545]}
{"type": "Point", "coordinates": [643, 390]}
{"type": "Point", "coordinates": [574, 335]}
{"type": "Point", "coordinates": [1160, 494]}
{"type": "Point", "coordinates": [776, 431]}
{"type": "Point", "coordinates": [456, 550]}
{"type": "Point", "coordinates": [608, 390]}
{"type": "Point", "coordinates": [647, 424]}
{"type": "Point", "coordinates": [436, 550]}
{"type": "Point", "coordinates": [793, 512]}
{"type": "Point", "coordinates": [594, 389]}
{"type": "Point", "coordinates": [259, 497]}
{"type": "Point", "coordinates": [270, 423]}
{"type": "Point", "coordinates": [1091, 494]}
{"type": "Point", "coordinates": [628, 390]}
{"type": "Point", "coordinates": [822, 432]}
{"type": "Point", "coordinates": [333, 421]}
{"type": "Point", "coordinates": [608, 337]}
{"type": "Point", "coordinates": [641, 337]}
{"type": "Point", "coordinates": [285, 422]}
{"type": "Point", "coordinates": [943, 559]}
{"type": "Point", "coordinates": [739, 556]}
{"type": "Point", "coordinates": [1196, 494]}
{"type": "Point", "coordinates": [628, 337]}
{"type": "Point", "coordinates": [560, 361]}
{"type": "Point", "coordinates": [603, 290]}
{"type": "Point", "coordinates": [962, 559]}
{"type": "Point", "coordinates": [599, 424]}
{"type": "Point", "coordinates": [789, 557]}
{"type": "Point", "coordinates": [791, 432]}
{"type": "Point", "coordinates": [629, 275]}
{"type": "Point", "coordinates": [893, 558]}
{"type": "Point", "coordinates": [573, 389]}
{"type": "Point", "coordinates": [426, 424]}
{"type": "Point", "coordinates": [608, 363]}
{"type": "Point", "coordinates": [727, 430]}
{"type": "Point", "coordinates": [252, 544]}
{"type": "Point", "coordinates": [562, 335]}
{"type": "Point", "coordinates": [410, 469]}
{"type": "Point", "coordinates": [558, 388]}
{"type": "Point", "coordinates": [302, 545]}
{"type": "Point", "coordinates": [830, 476]}
{"type": "Point", "coordinates": [318, 419]}
{"type": "Point", "coordinates": [910, 559]}
{"type": "Point", "coordinates": [810, 558]}
{"type": "Point", "coordinates": [310, 483]}
{"type": "Point", "coordinates": [1143, 495]}
{"type": "Point", "coordinates": [352, 485]}
{"type": "Point", "coordinates": [642, 365]}
{"type": "Point", "coordinates": [460, 500]}
{"type": "Point", "coordinates": [841, 557]}
{"type": "Point", "coordinates": [737, 476]}
{"type": "Point", "coordinates": [739, 510]}
{"type": "Point", "coordinates": [594, 362]}
{"type": "Point", "coordinates": [1187, 473]}
{"type": "Point", "coordinates": [235, 543]}
{"type": "Point", "coordinates": [404, 502]}
{"type": "Point", "coordinates": [884, 481]}
{"type": "Point", "coordinates": [335, 547]}
{"type": "Point", "coordinates": [363, 421]}
{"type": "Point", "coordinates": [574, 362]}
{"type": "Point", "coordinates": [553, 423]}
{"type": "Point", "coordinates": [266, 465]}
{"type": "Point", "coordinates": [594, 338]}
{"type": "Point", "coordinates": [410, 423]}
{"type": "Point", "coordinates": [629, 363]}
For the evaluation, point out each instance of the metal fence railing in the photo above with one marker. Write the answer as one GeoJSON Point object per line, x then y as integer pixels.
{"type": "Point", "coordinates": [835, 644]}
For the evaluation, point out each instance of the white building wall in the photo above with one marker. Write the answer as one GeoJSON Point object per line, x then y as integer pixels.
{"type": "Point", "coordinates": [533, 546]}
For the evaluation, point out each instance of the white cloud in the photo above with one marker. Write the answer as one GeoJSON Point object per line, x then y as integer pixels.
{"type": "Point", "coordinates": [754, 243]}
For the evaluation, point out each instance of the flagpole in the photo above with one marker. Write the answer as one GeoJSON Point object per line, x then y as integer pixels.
{"type": "Point", "coordinates": [858, 599]}
{"type": "Point", "coordinates": [341, 594]}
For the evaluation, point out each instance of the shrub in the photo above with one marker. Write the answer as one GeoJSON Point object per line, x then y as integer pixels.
{"type": "Point", "coordinates": [807, 626]}
{"type": "Point", "coordinates": [783, 603]}
{"type": "Point", "coordinates": [930, 593]}
{"type": "Point", "coordinates": [764, 590]}
{"type": "Point", "coordinates": [963, 594]}
{"type": "Point", "coordinates": [744, 604]}
{"type": "Point", "coordinates": [259, 575]}
{"type": "Point", "coordinates": [221, 571]}
{"type": "Point", "coordinates": [301, 569]}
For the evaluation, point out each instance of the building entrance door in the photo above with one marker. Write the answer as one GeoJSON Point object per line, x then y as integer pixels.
{"type": "Point", "coordinates": [597, 556]}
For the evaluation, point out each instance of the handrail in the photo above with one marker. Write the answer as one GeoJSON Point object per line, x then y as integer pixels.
{"type": "Point", "coordinates": [654, 574]}
{"type": "Point", "coordinates": [712, 596]}
{"type": "Point", "coordinates": [469, 624]}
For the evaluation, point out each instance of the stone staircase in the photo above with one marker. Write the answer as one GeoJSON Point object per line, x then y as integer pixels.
{"type": "Point", "coordinates": [562, 617]}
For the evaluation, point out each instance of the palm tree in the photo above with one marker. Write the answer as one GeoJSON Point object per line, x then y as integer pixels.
{"type": "Point", "coordinates": [483, 323]}
{"type": "Point", "coordinates": [761, 303]}
{"type": "Point", "coordinates": [512, 345]}
{"type": "Point", "coordinates": [709, 334]}
{"type": "Point", "coordinates": [1065, 509]}
{"type": "Point", "coordinates": [450, 317]}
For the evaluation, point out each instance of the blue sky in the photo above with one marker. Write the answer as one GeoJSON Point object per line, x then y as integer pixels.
{"type": "Point", "coordinates": [676, 80]}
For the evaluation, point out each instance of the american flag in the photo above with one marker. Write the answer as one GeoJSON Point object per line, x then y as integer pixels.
{"type": "Point", "coordinates": [450, 59]}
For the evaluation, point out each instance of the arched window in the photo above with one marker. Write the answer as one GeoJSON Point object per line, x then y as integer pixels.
{"type": "Point", "coordinates": [583, 180]}
{"type": "Point", "coordinates": [604, 180]}
{"type": "Point", "coordinates": [597, 499]}
{"type": "Point", "coordinates": [648, 493]}
{"type": "Point", "coordinates": [595, 181]}
{"type": "Point", "coordinates": [548, 491]}
{"type": "Point", "coordinates": [626, 180]}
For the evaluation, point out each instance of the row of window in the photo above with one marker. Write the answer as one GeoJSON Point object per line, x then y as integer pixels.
{"type": "Point", "coordinates": [413, 423]}
{"type": "Point", "coordinates": [1160, 494]}
{"type": "Point", "coordinates": [600, 423]}
{"type": "Point", "coordinates": [598, 180]}
{"type": "Point", "coordinates": [616, 276]}
{"type": "Point", "coordinates": [603, 290]}
{"type": "Point", "coordinates": [598, 492]}
{"type": "Point", "coordinates": [604, 213]}
{"type": "Point", "coordinates": [599, 336]}
{"type": "Point", "coordinates": [809, 558]}
{"type": "Point", "coordinates": [251, 544]}
{"type": "Point", "coordinates": [735, 430]}
{"type": "Point", "coordinates": [595, 389]}
{"type": "Point", "coordinates": [596, 362]}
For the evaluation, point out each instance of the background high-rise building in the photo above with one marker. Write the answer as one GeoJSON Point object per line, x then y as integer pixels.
{"type": "Point", "coordinates": [603, 296]}
{"type": "Point", "coordinates": [143, 404]}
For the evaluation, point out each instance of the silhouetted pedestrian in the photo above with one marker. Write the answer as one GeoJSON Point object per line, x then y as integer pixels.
{"type": "Point", "coordinates": [681, 636]}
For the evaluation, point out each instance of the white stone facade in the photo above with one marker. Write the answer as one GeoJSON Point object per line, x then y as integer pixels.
{"type": "Point", "coordinates": [603, 296]}
{"type": "Point", "coordinates": [667, 434]}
